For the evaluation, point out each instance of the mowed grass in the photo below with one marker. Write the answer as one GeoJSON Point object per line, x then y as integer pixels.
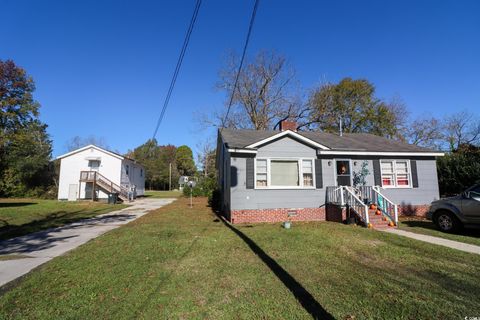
{"type": "Point", "coordinates": [22, 216]}
{"type": "Point", "coordinates": [163, 194]}
{"type": "Point", "coordinates": [424, 226]}
{"type": "Point", "coordinates": [182, 263]}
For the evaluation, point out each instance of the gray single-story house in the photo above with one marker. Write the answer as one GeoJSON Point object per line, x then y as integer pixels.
{"type": "Point", "coordinates": [272, 176]}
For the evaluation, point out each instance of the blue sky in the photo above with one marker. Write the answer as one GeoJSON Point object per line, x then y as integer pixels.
{"type": "Point", "coordinates": [103, 67]}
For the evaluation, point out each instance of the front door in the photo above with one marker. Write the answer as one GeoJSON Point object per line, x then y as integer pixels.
{"type": "Point", "coordinates": [471, 205]}
{"type": "Point", "coordinates": [342, 168]}
{"type": "Point", "coordinates": [72, 192]}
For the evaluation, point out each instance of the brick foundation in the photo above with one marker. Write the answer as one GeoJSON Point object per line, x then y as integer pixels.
{"type": "Point", "coordinates": [413, 210]}
{"type": "Point", "coordinates": [328, 213]}
{"type": "Point", "coordinates": [277, 215]}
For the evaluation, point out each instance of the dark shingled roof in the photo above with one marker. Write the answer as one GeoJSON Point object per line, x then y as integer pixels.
{"type": "Point", "coordinates": [236, 138]}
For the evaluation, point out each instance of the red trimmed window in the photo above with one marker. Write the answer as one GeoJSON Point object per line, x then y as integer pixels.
{"type": "Point", "coordinates": [395, 173]}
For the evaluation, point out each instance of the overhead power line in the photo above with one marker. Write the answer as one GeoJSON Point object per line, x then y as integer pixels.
{"type": "Point", "coordinates": [247, 40]}
{"type": "Point", "coordinates": [177, 68]}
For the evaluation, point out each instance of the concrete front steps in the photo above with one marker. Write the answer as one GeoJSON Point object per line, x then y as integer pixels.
{"type": "Point", "coordinates": [378, 221]}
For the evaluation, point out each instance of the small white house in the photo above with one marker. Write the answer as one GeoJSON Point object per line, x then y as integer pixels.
{"type": "Point", "coordinates": [93, 173]}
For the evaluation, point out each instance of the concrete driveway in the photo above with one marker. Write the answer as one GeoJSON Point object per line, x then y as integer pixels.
{"type": "Point", "coordinates": [40, 247]}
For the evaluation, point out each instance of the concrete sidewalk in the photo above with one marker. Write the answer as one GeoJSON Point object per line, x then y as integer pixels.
{"type": "Point", "coordinates": [43, 246]}
{"type": "Point", "coordinates": [471, 248]}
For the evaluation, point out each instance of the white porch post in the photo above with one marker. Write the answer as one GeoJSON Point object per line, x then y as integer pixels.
{"type": "Point", "coordinates": [342, 201]}
{"type": "Point", "coordinates": [367, 218]}
{"type": "Point", "coordinates": [396, 215]}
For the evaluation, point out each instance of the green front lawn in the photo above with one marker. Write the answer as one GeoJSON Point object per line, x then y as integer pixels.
{"type": "Point", "coordinates": [182, 263]}
{"type": "Point", "coordinates": [22, 216]}
{"type": "Point", "coordinates": [424, 226]}
{"type": "Point", "coordinates": [162, 194]}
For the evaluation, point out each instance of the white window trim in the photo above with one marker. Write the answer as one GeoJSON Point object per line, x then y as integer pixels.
{"type": "Point", "coordinates": [335, 170]}
{"type": "Point", "coordinates": [395, 186]}
{"type": "Point", "coordinates": [300, 174]}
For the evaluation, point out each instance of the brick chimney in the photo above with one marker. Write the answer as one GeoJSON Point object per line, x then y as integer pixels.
{"type": "Point", "coordinates": [288, 125]}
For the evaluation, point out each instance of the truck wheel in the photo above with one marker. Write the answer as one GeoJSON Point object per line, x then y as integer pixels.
{"type": "Point", "coordinates": [447, 222]}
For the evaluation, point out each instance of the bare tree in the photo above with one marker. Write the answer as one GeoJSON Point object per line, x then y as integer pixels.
{"type": "Point", "coordinates": [206, 155]}
{"type": "Point", "coordinates": [79, 142]}
{"type": "Point", "coordinates": [400, 115]}
{"type": "Point", "coordinates": [264, 94]}
{"type": "Point", "coordinates": [461, 128]}
{"type": "Point", "coordinates": [425, 132]}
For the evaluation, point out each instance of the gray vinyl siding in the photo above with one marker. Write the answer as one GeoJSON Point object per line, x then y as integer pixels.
{"type": "Point", "coordinates": [228, 181]}
{"type": "Point", "coordinates": [224, 181]}
{"type": "Point", "coordinates": [427, 190]}
{"type": "Point", "coordinates": [238, 197]}
{"type": "Point", "coordinates": [286, 148]}
{"type": "Point", "coordinates": [243, 198]}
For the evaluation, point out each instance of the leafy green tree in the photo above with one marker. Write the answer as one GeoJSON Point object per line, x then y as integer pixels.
{"type": "Point", "coordinates": [354, 102]}
{"type": "Point", "coordinates": [156, 160]}
{"type": "Point", "coordinates": [25, 147]}
{"type": "Point", "coordinates": [168, 160]}
{"type": "Point", "coordinates": [459, 170]}
{"type": "Point", "coordinates": [185, 163]}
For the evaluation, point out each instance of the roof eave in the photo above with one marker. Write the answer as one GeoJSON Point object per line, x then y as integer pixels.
{"type": "Point", "coordinates": [287, 133]}
{"type": "Point", "coordinates": [88, 147]}
{"type": "Point", "coordinates": [381, 153]}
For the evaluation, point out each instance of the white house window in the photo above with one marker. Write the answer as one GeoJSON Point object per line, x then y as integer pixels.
{"type": "Point", "coordinates": [395, 173]}
{"type": "Point", "coordinates": [141, 172]}
{"type": "Point", "coordinates": [127, 169]}
{"type": "Point", "coordinates": [284, 173]}
{"type": "Point", "coordinates": [261, 179]}
{"type": "Point", "coordinates": [307, 171]}
{"type": "Point", "coordinates": [94, 164]}
{"type": "Point", "coordinates": [402, 174]}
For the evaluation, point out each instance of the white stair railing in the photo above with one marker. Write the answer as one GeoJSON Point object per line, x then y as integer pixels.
{"type": "Point", "coordinates": [345, 196]}
{"type": "Point", "coordinates": [335, 195]}
{"type": "Point", "coordinates": [386, 205]}
{"type": "Point", "coordinates": [354, 202]}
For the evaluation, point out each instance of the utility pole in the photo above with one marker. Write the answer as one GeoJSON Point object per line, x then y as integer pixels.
{"type": "Point", "coordinates": [170, 178]}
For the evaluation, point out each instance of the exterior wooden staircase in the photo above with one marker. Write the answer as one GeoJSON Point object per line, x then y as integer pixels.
{"type": "Point", "coordinates": [106, 185]}
{"type": "Point", "coordinates": [359, 200]}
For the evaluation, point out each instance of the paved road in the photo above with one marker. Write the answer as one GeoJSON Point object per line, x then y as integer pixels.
{"type": "Point", "coordinates": [43, 246]}
{"type": "Point", "coordinates": [436, 240]}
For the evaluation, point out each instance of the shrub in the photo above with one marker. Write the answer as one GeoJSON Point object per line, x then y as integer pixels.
{"type": "Point", "coordinates": [204, 187]}
{"type": "Point", "coordinates": [458, 170]}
